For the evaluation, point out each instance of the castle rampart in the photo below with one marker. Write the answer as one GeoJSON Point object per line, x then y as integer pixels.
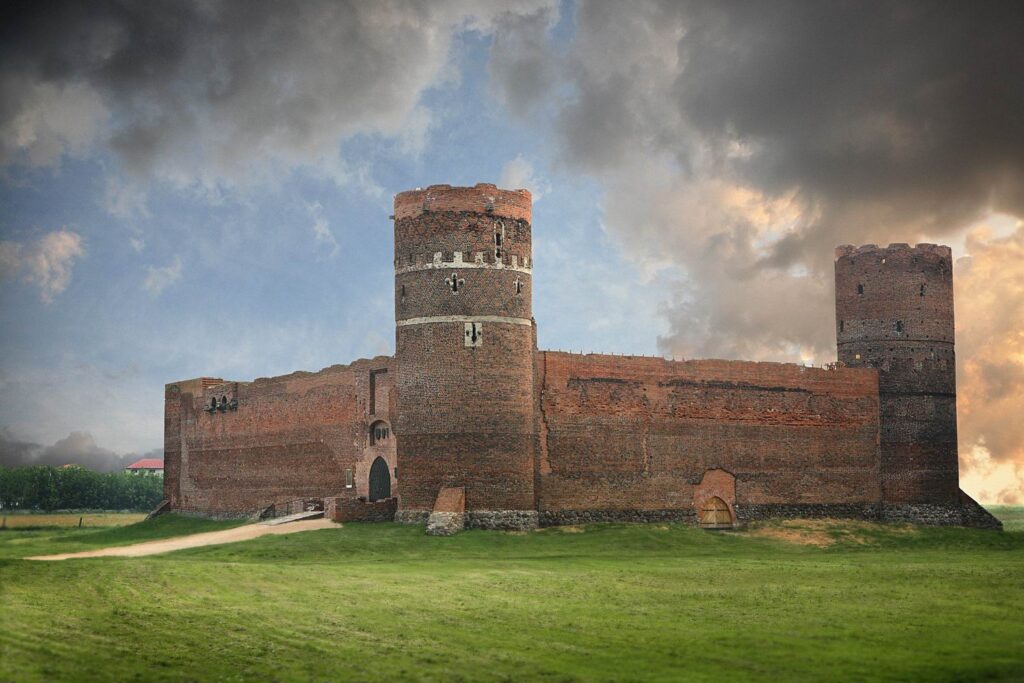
{"type": "Point", "coordinates": [486, 430]}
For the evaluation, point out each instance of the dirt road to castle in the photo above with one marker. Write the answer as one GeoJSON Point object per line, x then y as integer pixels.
{"type": "Point", "coordinates": [242, 533]}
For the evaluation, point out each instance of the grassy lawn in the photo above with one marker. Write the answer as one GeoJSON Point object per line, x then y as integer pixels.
{"type": "Point", "coordinates": [794, 601]}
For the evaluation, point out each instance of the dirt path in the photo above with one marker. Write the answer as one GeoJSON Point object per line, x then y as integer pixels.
{"type": "Point", "coordinates": [242, 533]}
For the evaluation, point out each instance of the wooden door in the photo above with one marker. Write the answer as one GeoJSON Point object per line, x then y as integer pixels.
{"type": "Point", "coordinates": [715, 514]}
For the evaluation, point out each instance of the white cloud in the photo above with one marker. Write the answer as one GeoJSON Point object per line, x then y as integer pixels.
{"type": "Point", "coordinates": [160, 278]}
{"type": "Point", "coordinates": [322, 229]}
{"type": "Point", "coordinates": [46, 263]}
{"type": "Point", "coordinates": [125, 199]}
{"type": "Point", "coordinates": [519, 174]}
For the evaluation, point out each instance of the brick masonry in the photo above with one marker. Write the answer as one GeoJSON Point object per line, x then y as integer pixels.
{"type": "Point", "coordinates": [533, 437]}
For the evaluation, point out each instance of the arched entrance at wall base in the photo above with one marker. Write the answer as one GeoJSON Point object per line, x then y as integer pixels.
{"type": "Point", "coordinates": [380, 480]}
{"type": "Point", "coordinates": [714, 514]}
{"type": "Point", "coordinates": [714, 500]}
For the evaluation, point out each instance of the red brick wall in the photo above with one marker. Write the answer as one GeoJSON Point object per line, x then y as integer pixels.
{"type": "Point", "coordinates": [465, 414]}
{"type": "Point", "coordinates": [894, 312]}
{"type": "Point", "coordinates": [290, 437]}
{"type": "Point", "coordinates": [620, 432]}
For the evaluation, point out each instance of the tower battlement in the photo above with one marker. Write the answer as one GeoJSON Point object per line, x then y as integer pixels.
{"type": "Point", "coordinates": [895, 248]}
{"type": "Point", "coordinates": [481, 198]}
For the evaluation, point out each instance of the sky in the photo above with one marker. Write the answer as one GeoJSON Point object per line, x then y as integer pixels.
{"type": "Point", "coordinates": [203, 188]}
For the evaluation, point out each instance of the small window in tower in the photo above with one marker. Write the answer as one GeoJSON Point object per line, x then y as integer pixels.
{"type": "Point", "coordinates": [499, 239]}
{"type": "Point", "coordinates": [922, 290]}
{"type": "Point", "coordinates": [403, 292]}
{"type": "Point", "coordinates": [349, 480]}
{"type": "Point", "coordinates": [842, 325]}
{"type": "Point", "coordinates": [860, 290]}
{"type": "Point", "coordinates": [899, 325]}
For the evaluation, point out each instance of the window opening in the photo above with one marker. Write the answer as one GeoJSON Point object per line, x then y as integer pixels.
{"type": "Point", "coordinates": [379, 433]}
{"type": "Point", "coordinates": [922, 290]}
{"type": "Point", "coordinates": [499, 239]}
{"type": "Point", "coordinates": [842, 324]}
{"type": "Point", "coordinates": [899, 325]}
{"type": "Point", "coordinates": [860, 290]}
{"type": "Point", "coordinates": [519, 286]}
{"type": "Point", "coordinates": [349, 479]}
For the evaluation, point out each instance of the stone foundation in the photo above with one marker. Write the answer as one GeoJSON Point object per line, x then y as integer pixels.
{"type": "Point", "coordinates": [412, 516]}
{"type": "Point", "coordinates": [749, 512]}
{"type": "Point", "coordinates": [574, 517]}
{"type": "Point", "coordinates": [504, 520]}
{"type": "Point", "coordinates": [445, 523]}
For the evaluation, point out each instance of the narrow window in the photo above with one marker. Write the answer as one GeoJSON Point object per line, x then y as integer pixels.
{"type": "Point", "coordinates": [349, 481]}
{"type": "Point", "coordinates": [842, 325]}
{"type": "Point", "coordinates": [922, 290]}
{"type": "Point", "coordinates": [860, 290]}
{"type": "Point", "coordinates": [899, 325]}
{"type": "Point", "coordinates": [403, 293]}
{"type": "Point", "coordinates": [499, 239]}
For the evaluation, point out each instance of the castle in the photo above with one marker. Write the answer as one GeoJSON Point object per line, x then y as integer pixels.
{"type": "Point", "coordinates": [469, 424]}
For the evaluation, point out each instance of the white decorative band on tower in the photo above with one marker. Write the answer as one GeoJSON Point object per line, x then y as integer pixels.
{"type": "Point", "coordinates": [464, 319]}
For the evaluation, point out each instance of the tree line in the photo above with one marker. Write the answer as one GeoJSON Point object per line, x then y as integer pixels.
{"type": "Point", "coordinates": [43, 487]}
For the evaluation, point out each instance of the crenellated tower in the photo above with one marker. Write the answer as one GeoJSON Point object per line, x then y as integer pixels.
{"type": "Point", "coordinates": [894, 312]}
{"type": "Point", "coordinates": [464, 351]}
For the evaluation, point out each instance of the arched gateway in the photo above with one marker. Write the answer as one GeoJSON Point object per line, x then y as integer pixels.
{"type": "Point", "coordinates": [380, 480]}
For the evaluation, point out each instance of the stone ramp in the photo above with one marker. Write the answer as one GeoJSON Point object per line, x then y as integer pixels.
{"type": "Point", "coordinates": [241, 533]}
{"type": "Point", "coordinates": [311, 514]}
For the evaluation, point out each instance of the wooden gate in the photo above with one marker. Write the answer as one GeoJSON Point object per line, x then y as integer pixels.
{"type": "Point", "coordinates": [714, 514]}
{"type": "Point", "coordinates": [380, 480]}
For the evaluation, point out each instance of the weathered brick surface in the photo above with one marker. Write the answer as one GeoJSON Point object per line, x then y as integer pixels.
{"type": "Point", "coordinates": [537, 437]}
{"type": "Point", "coordinates": [465, 413]}
{"type": "Point", "coordinates": [894, 312]}
{"type": "Point", "coordinates": [629, 433]}
{"type": "Point", "coordinates": [349, 508]}
{"type": "Point", "coordinates": [290, 437]}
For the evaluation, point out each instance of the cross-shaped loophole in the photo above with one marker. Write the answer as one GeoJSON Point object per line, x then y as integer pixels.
{"type": "Point", "coordinates": [455, 282]}
{"type": "Point", "coordinates": [519, 286]}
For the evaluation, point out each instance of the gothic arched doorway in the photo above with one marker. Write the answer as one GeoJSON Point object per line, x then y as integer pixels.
{"type": "Point", "coordinates": [714, 514]}
{"type": "Point", "coordinates": [380, 480]}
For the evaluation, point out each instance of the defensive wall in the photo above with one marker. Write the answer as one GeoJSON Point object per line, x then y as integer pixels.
{"type": "Point", "coordinates": [632, 438]}
{"type": "Point", "coordinates": [488, 431]}
{"type": "Point", "coordinates": [233, 448]}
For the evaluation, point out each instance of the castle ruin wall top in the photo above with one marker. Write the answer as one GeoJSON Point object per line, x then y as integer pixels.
{"type": "Point", "coordinates": [481, 198]}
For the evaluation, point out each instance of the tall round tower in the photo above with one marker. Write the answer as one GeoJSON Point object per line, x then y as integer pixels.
{"type": "Point", "coordinates": [465, 350]}
{"type": "Point", "coordinates": [894, 311]}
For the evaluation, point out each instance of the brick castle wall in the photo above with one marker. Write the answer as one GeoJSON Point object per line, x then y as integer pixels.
{"type": "Point", "coordinates": [464, 402]}
{"type": "Point", "coordinates": [289, 437]}
{"type": "Point", "coordinates": [632, 433]}
{"type": "Point", "coordinates": [894, 312]}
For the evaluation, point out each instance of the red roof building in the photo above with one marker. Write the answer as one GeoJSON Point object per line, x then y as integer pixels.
{"type": "Point", "coordinates": [155, 465]}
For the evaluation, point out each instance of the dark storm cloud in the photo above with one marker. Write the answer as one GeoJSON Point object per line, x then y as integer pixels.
{"type": "Point", "coordinates": [914, 105]}
{"type": "Point", "coordinates": [201, 90]}
{"type": "Point", "coordinates": [742, 141]}
{"type": "Point", "coordinates": [77, 448]}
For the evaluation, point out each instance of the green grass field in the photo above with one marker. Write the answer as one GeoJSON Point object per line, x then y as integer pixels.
{"type": "Point", "coordinates": [794, 601]}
